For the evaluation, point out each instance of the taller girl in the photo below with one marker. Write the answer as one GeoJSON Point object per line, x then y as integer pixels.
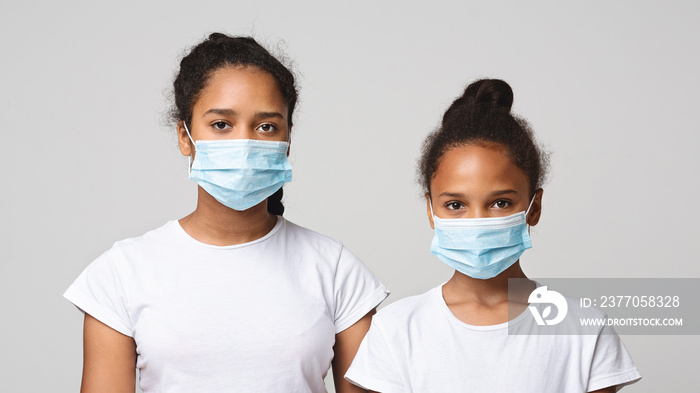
{"type": "Point", "coordinates": [232, 297]}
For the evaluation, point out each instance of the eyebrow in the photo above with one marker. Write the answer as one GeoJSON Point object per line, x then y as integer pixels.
{"type": "Point", "coordinates": [452, 194]}
{"type": "Point", "coordinates": [222, 112]}
{"type": "Point", "coordinates": [503, 192]}
{"type": "Point", "coordinates": [493, 194]}
{"type": "Point", "coordinates": [267, 115]}
{"type": "Point", "coordinates": [231, 112]}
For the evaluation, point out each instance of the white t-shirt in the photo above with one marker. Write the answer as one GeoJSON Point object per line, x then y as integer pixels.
{"type": "Point", "coordinates": [418, 345]}
{"type": "Point", "coordinates": [254, 317]}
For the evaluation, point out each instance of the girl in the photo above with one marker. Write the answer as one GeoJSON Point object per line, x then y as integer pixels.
{"type": "Point", "coordinates": [482, 175]}
{"type": "Point", "coordinates": [232, 297]}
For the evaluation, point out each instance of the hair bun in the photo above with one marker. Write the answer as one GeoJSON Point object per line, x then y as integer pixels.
{"type": "Point", "coordinates": [218, 37]}
{"type": "Point", "coordinates": [483, 95]}
{"type": "Point", "coordinates": [489, 93]}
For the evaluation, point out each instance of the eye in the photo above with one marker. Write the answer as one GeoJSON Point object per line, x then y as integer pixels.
{"type": "Point", "coordinates": [501, 204]}
{"type": "Point", "coordinates": [454, 205]}
{"type": "Point", "coordinates": [267, 127]}
{"type": "Point", "coordinates": [220, 125]}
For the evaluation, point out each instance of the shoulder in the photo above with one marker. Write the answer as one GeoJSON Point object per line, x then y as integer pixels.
{"type": "Point", "coordinates": [309, 241]}
{"type": "Point", "coordinates": [408, 311]}
{"type": "Point", "coordinates": [165, 233]}
{"type": "Point", "coordinates": [308, 235]}
{"type": "Point", "coordinates": [126, 251]}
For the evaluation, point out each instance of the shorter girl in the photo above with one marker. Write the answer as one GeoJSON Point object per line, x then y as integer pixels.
{"type": "Point", "coordinates": [482, 174]}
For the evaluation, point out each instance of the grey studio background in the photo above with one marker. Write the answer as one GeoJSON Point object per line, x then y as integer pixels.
{"type": "Point", "coordinates": [610, 87]}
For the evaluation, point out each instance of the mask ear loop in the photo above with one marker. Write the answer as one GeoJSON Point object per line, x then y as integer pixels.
{"type": "Point", "coordinates": [432, 213]}
{"type": "Point", "coordinates": [529, 206]}
{"type": "Point", "coordinates": [528, 210]}
{"type": "Point", "coordinates": [189, 158]}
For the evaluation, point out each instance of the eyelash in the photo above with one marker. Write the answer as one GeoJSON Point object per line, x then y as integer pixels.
{"type": "Point", "coordinates": [274, 127]}
{"type": "Point", "coordinates": [457, 205]}
{"type": "Point", "coordinates": [219, 123]}
{"type": "Point", "coordinates": [508, 204]}
{"type": "Point", "coordinates": [222, 125]}
{"type": "Point", "coordinates": [450, 205]}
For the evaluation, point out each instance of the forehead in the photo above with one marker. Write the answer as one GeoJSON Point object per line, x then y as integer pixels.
{"type": "Point", "coordinates": [476, 169]}
{"type": "Point", "coordinates": [241, 85]}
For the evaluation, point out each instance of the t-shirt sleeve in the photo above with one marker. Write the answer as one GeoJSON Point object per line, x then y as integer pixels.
{"type": "Point", "coordinates": [100, 292]}
{"type": "Point", "coordinates": [356, 291]}
{"type": "Point", "coordinates": [374, 367]}
{"type": "Point", "coordinates": [612, 364]}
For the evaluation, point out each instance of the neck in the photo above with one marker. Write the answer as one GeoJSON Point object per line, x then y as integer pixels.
{"type": "Point", "coordinates": [487, 302]}
{"type": "Point", "coordinates": [492, 290]}
{"type": "Point", "coordinates": [216, 224]}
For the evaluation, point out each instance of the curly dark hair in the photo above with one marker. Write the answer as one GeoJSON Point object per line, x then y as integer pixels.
{"type": "Point", "coordinates": [482, 116]}
{"type": "Point", "coordinates": [220, 51]}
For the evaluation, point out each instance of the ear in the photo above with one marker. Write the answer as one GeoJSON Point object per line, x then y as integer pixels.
{"type": "Point", "coordinates": [183, 140]}
{"type": "Point", "coordinates": [289, 139]}
{"type": "Point", "coordinates": [428, 211]}
{"type": "Point", "coordinates": [536, 209]}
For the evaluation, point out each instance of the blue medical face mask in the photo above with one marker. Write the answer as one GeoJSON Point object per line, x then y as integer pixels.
{"type": "Point", "coordinates": [481, 247]}
{"type": "Point", "coordinates": [240, 173]}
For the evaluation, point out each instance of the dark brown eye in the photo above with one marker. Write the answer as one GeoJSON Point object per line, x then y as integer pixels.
{"type": "Point", "coordinates": [267, 127]}
{"type": "Point", "coordinates": [454, 205]}
{"type": "Point", "coordinates": [501, 204]}
{"type": "Point", "coordinates": [220, 125]}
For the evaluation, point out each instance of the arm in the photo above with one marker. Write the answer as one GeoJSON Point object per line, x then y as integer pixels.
{"type": "Point", "coordinates": [346, 344]}
{"type": "Point", "coordinates": [109, 359]}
